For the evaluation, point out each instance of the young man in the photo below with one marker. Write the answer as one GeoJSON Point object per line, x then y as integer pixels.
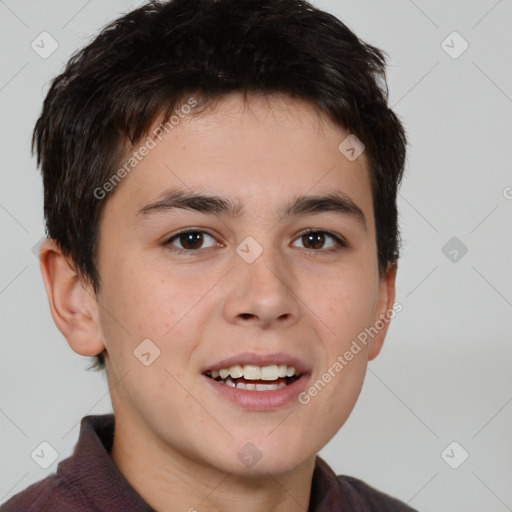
{"type": "Point", "coordinates": [220, 184]}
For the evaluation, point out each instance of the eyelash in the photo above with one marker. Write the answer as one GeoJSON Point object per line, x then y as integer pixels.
{"type": "Point", "coordinates": [340, 242]}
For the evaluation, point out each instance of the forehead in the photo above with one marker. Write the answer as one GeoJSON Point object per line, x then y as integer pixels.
{"type": "Point", "coordinates": [261, 151]}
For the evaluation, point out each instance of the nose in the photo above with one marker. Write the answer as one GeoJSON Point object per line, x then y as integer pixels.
{"type": "Point", "coordinates": [262, 293]}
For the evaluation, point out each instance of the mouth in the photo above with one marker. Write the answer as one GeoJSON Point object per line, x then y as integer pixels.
{"type": "Point", "coordinates": [255, 378]}
{"type": "Point", "coordinates": [258, 382]}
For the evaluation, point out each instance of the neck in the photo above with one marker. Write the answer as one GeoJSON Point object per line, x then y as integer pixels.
{"type": "Point", "coordinates": [168, 480]}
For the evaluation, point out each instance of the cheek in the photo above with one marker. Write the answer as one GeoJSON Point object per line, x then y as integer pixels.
{"type": "Point", "coordinates": [140, 305]}
{"type": "Point", "coordinates": [135, 306]}
{"type": "Point", "coordinates": [346, 304]}
{"type": "Point", "coordinates": [146, 301]}
{"type": "Point", "coordinates": [349, 306]}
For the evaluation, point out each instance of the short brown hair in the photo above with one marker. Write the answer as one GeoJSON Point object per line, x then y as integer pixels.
{"type": "Point", "coordinates": [143, 64]}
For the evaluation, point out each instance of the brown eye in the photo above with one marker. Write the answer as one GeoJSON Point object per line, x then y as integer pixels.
{"type": "Point", "coordinates": [190, 240]}
{"type": "Point", "coordinates": [316, 240]}
{"type": "Point", "coordinates": [313, 240]}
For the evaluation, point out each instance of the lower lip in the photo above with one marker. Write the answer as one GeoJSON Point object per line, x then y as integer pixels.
{"type": "Point", "coordinates": [259, 400]}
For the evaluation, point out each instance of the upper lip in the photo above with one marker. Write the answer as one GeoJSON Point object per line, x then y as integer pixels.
{"type": "Point", "coordinates": [261, 360]}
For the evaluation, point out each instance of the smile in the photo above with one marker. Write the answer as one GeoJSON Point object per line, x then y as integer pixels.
{"type": "Point", "coordinates": [255, 378]}
{"type": "Point", "coordinates": [261, 391]}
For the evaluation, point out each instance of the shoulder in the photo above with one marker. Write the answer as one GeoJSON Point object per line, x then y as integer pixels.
{"type": "Point", "coordinates": [50, 494]}
{"type": "Point", "coordinates": [373, 499]}
{"type": "Point", "coordinates": [37, 496]}
{"type": "Point", "coordinates": [331, 492]}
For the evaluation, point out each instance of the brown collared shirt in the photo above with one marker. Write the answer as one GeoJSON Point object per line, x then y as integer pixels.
{"type": "Point", "coordinates": [88, 480]}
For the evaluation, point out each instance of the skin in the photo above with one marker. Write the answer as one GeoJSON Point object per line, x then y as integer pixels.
{"type": "Point", "coordinates": [176, 441]}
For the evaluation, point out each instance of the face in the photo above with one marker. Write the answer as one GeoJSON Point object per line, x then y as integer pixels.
{"type": "Point", "coordinates": [291, 282]}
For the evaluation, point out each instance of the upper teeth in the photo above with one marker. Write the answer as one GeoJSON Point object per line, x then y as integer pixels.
{"type": "Point", "coordinates": [254, 372]}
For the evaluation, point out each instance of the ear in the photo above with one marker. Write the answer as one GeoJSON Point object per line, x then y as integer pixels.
{"type": "Point", "coordinates": [73, 304]}
{"type": "Point", "coordinates": [384, 310]}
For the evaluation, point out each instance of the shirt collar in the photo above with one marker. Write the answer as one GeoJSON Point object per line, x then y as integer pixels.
{"type": "Point", "coordinates": [92, 469]}
{"type": "Point", "coordinates": [101, 482]}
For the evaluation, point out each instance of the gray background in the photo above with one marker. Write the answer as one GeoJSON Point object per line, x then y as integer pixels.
{"type": "Point", "coordinates": [444, 374]}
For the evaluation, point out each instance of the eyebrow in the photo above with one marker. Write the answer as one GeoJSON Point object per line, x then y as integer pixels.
{"type": "Point", "coordinates": [336, 202]}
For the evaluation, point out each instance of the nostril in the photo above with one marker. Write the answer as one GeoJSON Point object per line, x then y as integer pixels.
{"type": "Point", "coordinates": [246, 316]}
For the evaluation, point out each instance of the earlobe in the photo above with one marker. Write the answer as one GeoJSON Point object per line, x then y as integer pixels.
{"type": "Point", "coordinates": [384, 308]}
{"type": "Point", "coordinates": [72, 303]}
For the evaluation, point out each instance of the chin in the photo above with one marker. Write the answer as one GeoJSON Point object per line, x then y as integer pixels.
{"type": "Point", "coordinates": [253, 460]}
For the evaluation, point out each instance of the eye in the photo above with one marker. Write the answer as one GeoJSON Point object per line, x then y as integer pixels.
{"type": "Point", "coordinates": [190, 240]}
{"type": "Point", "coordinates": [315, 239]}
